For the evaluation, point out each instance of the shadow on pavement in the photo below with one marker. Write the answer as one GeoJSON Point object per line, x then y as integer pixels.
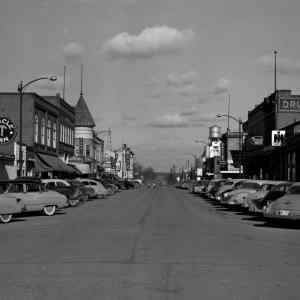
{"type": "Point", "coordinates": [38, 214]}
{"type": "Point", "coordinates": [279, 224]}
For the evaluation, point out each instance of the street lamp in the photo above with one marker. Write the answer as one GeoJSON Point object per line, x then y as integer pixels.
{"type": "Point", "coordinates": [240, 122]}
{"type": "Point", "coordinates": [21, 87]}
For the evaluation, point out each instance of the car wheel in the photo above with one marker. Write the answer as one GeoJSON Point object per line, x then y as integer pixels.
{"type": "Point", "coordinates": [5, 218]}
{"type": "Point", "coordinates": [49, 210]}
{"type": "Point", "coordinates": [72, 202]}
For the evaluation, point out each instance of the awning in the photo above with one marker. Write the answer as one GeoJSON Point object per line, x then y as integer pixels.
{"type": "Point", "coordinates": [55, 163]}
{"type": "Point", "coordinates": [75, 170]}
{"type": "Point", "coordinates": [40, 166]}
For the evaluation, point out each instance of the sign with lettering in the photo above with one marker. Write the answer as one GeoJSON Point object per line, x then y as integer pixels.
{"type": "Point", "coordinates": [289, 104]}
{"type": "Point", "coordinates": [7, 130]}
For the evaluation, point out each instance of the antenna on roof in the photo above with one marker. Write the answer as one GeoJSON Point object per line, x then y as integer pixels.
{"type": "Point", "coordinates": [64, 88]}
{"type": "Point", "coordinates": [81, 80]}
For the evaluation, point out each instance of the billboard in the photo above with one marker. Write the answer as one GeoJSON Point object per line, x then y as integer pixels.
{"type": "Point", "coordinates": [278, 137]}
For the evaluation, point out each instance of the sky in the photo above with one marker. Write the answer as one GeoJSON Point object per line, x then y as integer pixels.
{"type": "Point", "coordinates": [155, 72]}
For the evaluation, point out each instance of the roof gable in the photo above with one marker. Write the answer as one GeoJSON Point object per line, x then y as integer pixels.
{"type": "Point", "coordinates": [83, 117]}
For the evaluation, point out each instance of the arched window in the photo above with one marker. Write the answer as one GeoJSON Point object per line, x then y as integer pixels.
{"type": "Point", "coordinates": [54, 138]}
{"type": "Point", "coordinates": [36, 128]}
{"type": "Point", "coordinates": [48, 133]}
{"type": "Point", "coordinates": [43, 131]}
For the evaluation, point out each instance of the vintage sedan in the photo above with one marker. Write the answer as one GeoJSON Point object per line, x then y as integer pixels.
{"type": "Point", "coordinates": [97, 186]}
{"type": "Point", "coordinates": [259, 194]}
{"type": "Point", "coordinates": [237, 197]}
{"type": "Point", "coordinates": [286, 207]}
{"type": "Point", "coordinates": [228, 186]}
{"type": "Point", "coordinates": [257, 203]}
{"type": "Point", "coordinates": [10, 204]}
{"type": "Point", "coordinates": [32, 193]}
{"type": "Point", "coordinates": [72, 192]}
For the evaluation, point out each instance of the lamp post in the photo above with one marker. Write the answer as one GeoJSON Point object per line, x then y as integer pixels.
{"type": "Point", "coordinates": [240, 122]}
{"type": "Point", "coordinates": [21, 87]}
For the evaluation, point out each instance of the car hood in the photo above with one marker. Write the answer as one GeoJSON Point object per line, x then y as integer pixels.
{"type": "Point", "coordinates": [257, 195]}
{"type": "Point", "coordinates": [239, 191]}
{"type": "Point", "coordinates": [287, 202]}
{"type": "Point", "coordinates": [224, 189]}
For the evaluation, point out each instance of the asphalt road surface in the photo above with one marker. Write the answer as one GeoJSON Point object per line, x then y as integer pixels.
{"type": "Point", "coordinates": [148, 244]}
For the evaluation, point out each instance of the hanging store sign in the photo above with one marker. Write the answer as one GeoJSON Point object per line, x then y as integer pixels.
{"type": "Point", "coordinates": [7, 130]}
{"type": "Point", "coordinates": [278, 137]}
{"type": "Point", "coordinates": [215, 149]}
{"type": "Point", "coordinates": [289, 104]}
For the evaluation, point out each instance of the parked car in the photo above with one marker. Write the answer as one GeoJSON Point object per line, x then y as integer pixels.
{"type": "Point", "coordinates": [238, 196]}
{"type": "Point", "coordinates": [260, 193]}
{"type": "Point", "coordinates": [228, 186]}
{"type": "Point", "coordinates": [212, 187]}
{"type": "Point", "coordinates": [35, 197]}
{"type": "Point", "coordinates": [97, 186]}
{"type": "Point", "coordinates": [72, 192]}
{"type": "Point", "coordinates": [286, 207]}
{"type": "Point", "coordinates": [10, 204]}
{"type": "Point", "coordinates": [258, 201]}
{"type": "Point", "coordinates": [87, 192]}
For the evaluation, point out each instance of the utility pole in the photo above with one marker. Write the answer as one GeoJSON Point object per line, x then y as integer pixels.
{"type": "Point", "coordinates": [275, 71]}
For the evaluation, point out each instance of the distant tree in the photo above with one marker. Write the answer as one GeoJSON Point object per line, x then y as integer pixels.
{"type": "Point", "coordinates": [148, 174]}
{"type": "Point", "coordinates": [137, 169]}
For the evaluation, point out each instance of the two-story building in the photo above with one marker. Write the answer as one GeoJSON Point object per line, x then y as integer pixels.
{"type": "Point", "coordinates": [279, 111]}
{"type": "Point", "coordinates": [43, 120]}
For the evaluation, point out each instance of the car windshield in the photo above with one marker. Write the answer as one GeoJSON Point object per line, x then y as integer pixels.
{"type": "Point", "coordinates": [228, 183]}
{"type": "Point", "coordinates": [267, 187]}
{"type": "Point", "coordinates": [74, 182]}
{"type": "Point", "coordinates": [280, 187]}
{"type": "Point", "coordinates": [251, 186]}
{"type": "Point", "coordinates": [294, 190]}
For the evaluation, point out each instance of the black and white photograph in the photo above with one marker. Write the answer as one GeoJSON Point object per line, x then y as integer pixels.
{"type": "Point", "coordinates": [149, 149]}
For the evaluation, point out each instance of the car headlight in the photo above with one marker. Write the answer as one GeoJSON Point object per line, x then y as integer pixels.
{"type": "Point", "coordinates": [225, 194]}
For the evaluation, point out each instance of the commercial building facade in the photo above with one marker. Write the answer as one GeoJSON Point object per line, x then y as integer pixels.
{"type": "Point", "coordinates": [44, 136]}
{"type": "Point", "coordinates": [262, 158]}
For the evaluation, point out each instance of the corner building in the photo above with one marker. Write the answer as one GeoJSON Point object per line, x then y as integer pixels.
{"type": "Point", "coordinates": [279, 111]}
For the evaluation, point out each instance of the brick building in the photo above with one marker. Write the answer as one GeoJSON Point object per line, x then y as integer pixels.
{"type": "Point", "coordinates": [47, 124]}
{"type": "Point", "coordinates": [279, 111]}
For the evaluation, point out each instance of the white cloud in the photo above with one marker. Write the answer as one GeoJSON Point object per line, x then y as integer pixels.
{"type": "Point", "coordinates": [182, 79]}
{"type": "Point", "coordinates": [285, 66]}
{"type": "Point", "coordinates": [189, 90]}
{"type": "Point", "coordinates": [150, 42]}
{"type": "Point", "coordinates": [204, 118]}
{"type": "Point", "coordinates": [73, 50]}
{"type": "Point", "coordinates": [222, 86]}
{"type": "Point", "coordinates": [170, 121]}
{"type": "Point", "coordinates": [189, 112]}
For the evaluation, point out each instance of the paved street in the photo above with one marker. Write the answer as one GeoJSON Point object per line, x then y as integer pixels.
{"type": "Point", "coordinates": [148, 244]}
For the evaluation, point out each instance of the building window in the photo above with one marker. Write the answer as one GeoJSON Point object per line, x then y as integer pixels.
{"type": "Point", "coordinates": [54, 139]}
{"type": "Point", "coordinates": [48, 133]}
{"type": "Point", "coordinates": [60, 132]}
{"type": "Point", "coordinates": [81, 146]}
{"type": "Point", "coordinates": [72, 137]}
{"type": "Point", "coordinates": [69, 136]}
{"type": "Point", "coordinates": [87, 150]}
{"type": "Point", "coordinates": [63, 135]}
{"type": "Point", "coordinates": [36, 128]}
{"type": "Point", "coordinates": [77, 153]}
{"type": "Point", "coordinates": [43, 131]}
